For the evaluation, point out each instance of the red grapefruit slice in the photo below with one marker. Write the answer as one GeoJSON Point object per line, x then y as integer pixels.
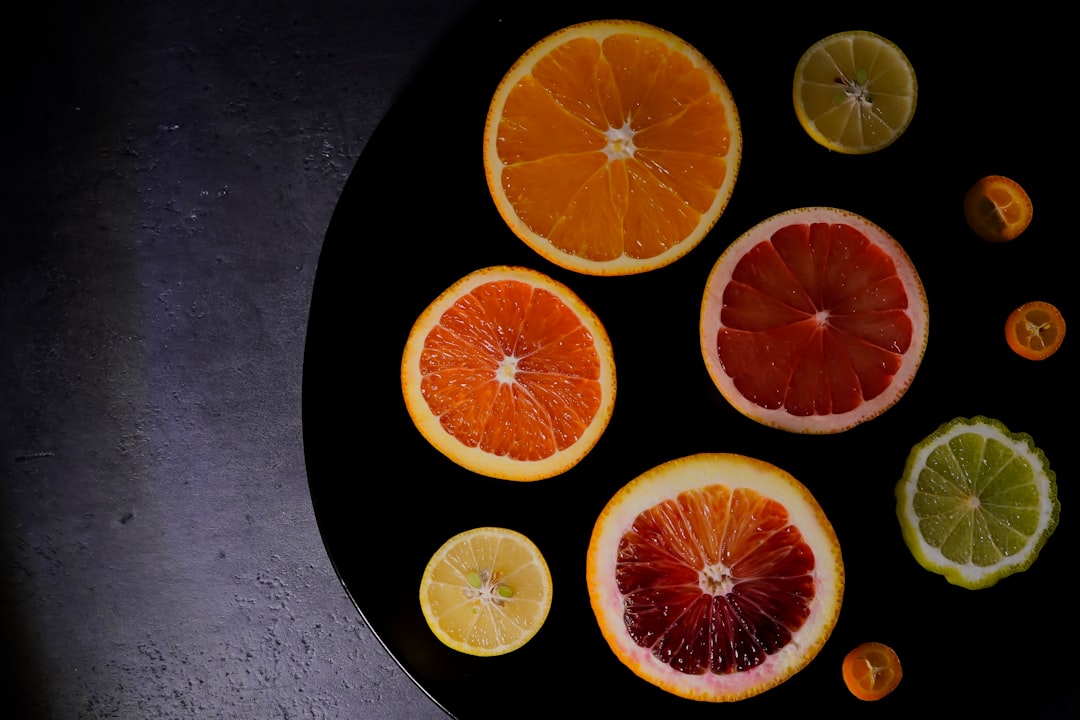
{"type": "Point", "coordinates": [813, 321]}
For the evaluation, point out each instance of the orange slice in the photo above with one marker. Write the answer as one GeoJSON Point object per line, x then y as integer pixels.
{"type": "Point", "coordinates": [715, 576]}
{"type": "Point", "coordinates": [486, 591]}
{"type": "Point", "coordinates": [997, 209]}
{"type": "Point", "coordinates": [1035, 330]}
{"type": "Point", "coordinates": [813, 321]}
{"type": "Point", "coordinates": [509, 374]}
{"type": "Point", "coordinates": [611, 147]}
{"type": "Point", "coordinates": [872, 671]}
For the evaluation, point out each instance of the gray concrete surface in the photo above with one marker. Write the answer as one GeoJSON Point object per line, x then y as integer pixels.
{"type": "Point", "coordinates": [172, 168]}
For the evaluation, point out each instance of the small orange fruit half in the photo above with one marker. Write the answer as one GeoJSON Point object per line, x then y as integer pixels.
{"type": "Point", "coordinates": [509, 374]}
{"type": "Point", "coordinates": [813, 321]}
{"type": "Point", "coordinates": [611, 147]}
{"type": "Point", "coordinates": [1035, 330]}
{"type": "Point", "coordinates": [715, 576]}
{"type": "Point", "coordinates": [997, 209]}
{"type": "Point", "coordinates": [872, 671]}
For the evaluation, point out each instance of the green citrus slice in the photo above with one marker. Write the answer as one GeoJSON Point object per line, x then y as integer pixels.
{"type": "Point", "coordinates": [976, 502]}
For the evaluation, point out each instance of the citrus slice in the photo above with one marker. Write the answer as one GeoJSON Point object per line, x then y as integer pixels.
{"type": "Point", "coordinates": [872, 671]}
{"type": "Point", "coordinates": [976, 502]}
{"type": "Point", "coordinates": [509, 374]}
{"type": "Point", "coordinates": [813, 321]}
{"type": "Point", "coordinates": [1035, 330]}
{"type": "Point", "coordinates": [611, 147]}
{"type": "Point", "coordinates": [715, 576]}
{"type": "Point", "coordinates": [486, 591]}
{"type": "Point", "coordinates": [854, 92]}
{"type": "Point", "coordinates": [997, 209]}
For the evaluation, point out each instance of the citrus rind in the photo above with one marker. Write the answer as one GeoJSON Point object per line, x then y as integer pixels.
{"type": "Point", "coordinates": [853, 93]}
{"type": "Point", "coordinates": [486, 591]}
{"type": "Point", "coordinates": [473, 456]}
{"type": "Point", "coordinates": [1041, 515]}
{"type": "Point", "coordinates": [778, 416]}
{"type": "Point", "coordinates": [689, 475]}
{"type": "Point", "coordinates": [631, 260]}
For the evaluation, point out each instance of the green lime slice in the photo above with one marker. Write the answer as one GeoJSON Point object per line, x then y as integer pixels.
{"type": "Point", "coordinates": [976, 502]}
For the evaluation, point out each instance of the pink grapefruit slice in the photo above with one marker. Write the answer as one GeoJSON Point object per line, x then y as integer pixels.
{"type": "Point", "coordinates": [813, 321]}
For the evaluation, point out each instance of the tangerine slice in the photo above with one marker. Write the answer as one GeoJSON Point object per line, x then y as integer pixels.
{"type": "Point", "coordinates": [1035, 330]}
{"type": "Point", "coordinates": [813, 321]}
{"type": "Point", "coordinates": [611, 147]}
{"type": "Point", "coordinates": [509, 374]}
{"type": "Point", "coordinates": [715, 577]}
{"type": "Point", "coordinates": [997, 209]}
{"type": "Point", "coordinates": [871, 671]}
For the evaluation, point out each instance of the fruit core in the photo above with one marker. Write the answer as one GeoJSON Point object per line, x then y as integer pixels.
{"type": "Point", "coordinates": [854, 89]}
{"type": "Point", "coordinates": [487, 587]}
{"type": "Point", "coordinates": [1037, 329]}
{"type": "Point", "coordinates": [620, 143]}
{"type": "Point", "coordinates": [715, 580]}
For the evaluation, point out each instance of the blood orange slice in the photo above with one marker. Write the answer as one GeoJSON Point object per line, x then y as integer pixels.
{"type": "Point", "coordinates": [509, 374]}
{"type": "Point", "coordinates": [715, 576]}
{"type": "Point", "coordinates": [813, 321]}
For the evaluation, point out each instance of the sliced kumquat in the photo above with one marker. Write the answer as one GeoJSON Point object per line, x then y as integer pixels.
{"type": "Point", "coordinates": [872, 671]}
{"type": "Point", "coordinates": [997, 209]}
{"type": "Point", "coordinates": [813, 321]}
{"type": "Point", "coordinates": [1035, 330]}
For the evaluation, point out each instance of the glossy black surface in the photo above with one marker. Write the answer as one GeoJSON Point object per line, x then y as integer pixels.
{"type": "Point", "coordinates": [416, 215]}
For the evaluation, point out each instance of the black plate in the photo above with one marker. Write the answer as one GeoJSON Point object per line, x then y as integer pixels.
{"type": "Point", "coordinates": [994, 98]}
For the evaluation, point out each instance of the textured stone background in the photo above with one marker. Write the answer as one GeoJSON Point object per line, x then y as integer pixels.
{"type": "Point", "coordinates": [171, 169]}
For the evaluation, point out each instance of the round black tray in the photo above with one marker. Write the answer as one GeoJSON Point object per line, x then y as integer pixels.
{"type": "Point", "coordinates": [416, 215]}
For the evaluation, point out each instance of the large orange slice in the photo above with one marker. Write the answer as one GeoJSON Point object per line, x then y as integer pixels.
{"type": "Point", "coordinates": [813, 321]}
{"type": "Point", "coordinates": [715, 576]}
{"type": "Point", "coordinates": [509, 374]}
{"type": "Point", "coordinates": [611, 147]}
